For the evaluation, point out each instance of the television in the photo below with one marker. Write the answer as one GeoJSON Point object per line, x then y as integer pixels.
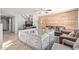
{"type": "Point", "coordinates": [28, 23]}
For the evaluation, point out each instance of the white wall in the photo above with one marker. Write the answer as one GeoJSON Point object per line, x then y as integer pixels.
{"type": "Point", "coordinates": [0, 14]}
{"type": "Point", "coordinates": [18, 12]}
{"type": "Point", "coordinates": [1, 32]}
{"type": "Point", "coordinates": [78, 18]}
{"type": "Point", "coordinates": [35, 20]}
{"type": "Point", "coordinates": [18, 19]}
{"type": "Point", "coordinates": [1, 35]}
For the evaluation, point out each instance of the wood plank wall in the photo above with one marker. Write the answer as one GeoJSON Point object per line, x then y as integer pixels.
{"type": "Point", "coordinates": [67, 19]}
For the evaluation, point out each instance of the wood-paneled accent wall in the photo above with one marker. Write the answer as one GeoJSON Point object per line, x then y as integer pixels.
{"type": "Point", "coordinates": [67, 19]}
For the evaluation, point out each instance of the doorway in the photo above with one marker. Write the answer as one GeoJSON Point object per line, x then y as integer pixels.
{"type": "Point", "coordinates": [8, 23]}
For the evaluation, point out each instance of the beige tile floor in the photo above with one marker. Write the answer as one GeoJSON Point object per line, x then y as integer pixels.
{"type": "Point", "coordinates": [10, 42]}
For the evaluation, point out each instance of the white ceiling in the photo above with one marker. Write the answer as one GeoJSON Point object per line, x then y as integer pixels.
{"type": "Point", "coordinates": [11, 11]}
{"type": "Point", "coordinates": [58, 10]}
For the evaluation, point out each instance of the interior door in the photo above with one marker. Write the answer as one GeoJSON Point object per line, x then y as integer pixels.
{"type": "Point", "coordinates": [13, 24]}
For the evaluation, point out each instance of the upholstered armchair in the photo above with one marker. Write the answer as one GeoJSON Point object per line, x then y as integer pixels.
{"type": "Point", "coordinates": [70, 45]}
{"type": "Point", "coordinates": [67, 41]}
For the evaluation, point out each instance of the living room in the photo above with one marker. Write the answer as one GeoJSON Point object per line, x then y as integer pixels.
{"type": "Point", "coordinates": [40, 28]}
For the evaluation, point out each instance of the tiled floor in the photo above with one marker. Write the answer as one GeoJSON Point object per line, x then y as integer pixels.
{"type": "Point", "coordinates": [10, 42]}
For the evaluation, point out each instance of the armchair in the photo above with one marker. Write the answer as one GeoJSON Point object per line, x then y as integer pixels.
{"type": "Point", "coordinates": [75, 45]}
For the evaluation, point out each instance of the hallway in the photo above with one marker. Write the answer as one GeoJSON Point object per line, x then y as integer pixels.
{"type": "Point", "coordinates": [10, 42]}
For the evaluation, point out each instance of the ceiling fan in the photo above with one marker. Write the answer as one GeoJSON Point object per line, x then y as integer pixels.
{"type": "Point", "coordinates": [45, 10]}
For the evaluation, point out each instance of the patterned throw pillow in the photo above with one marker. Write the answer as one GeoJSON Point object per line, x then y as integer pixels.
{"type": "Point", "coordinates": [72, 34]}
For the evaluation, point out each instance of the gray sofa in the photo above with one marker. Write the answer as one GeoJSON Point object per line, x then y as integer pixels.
{"type": "Point", "coordinates": [37, 39]}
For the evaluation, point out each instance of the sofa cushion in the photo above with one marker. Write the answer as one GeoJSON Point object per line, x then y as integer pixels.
{"type": "Point", "coordinates": [68, 42]}
{"type": "Point", "coordinates": [57, 46]}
